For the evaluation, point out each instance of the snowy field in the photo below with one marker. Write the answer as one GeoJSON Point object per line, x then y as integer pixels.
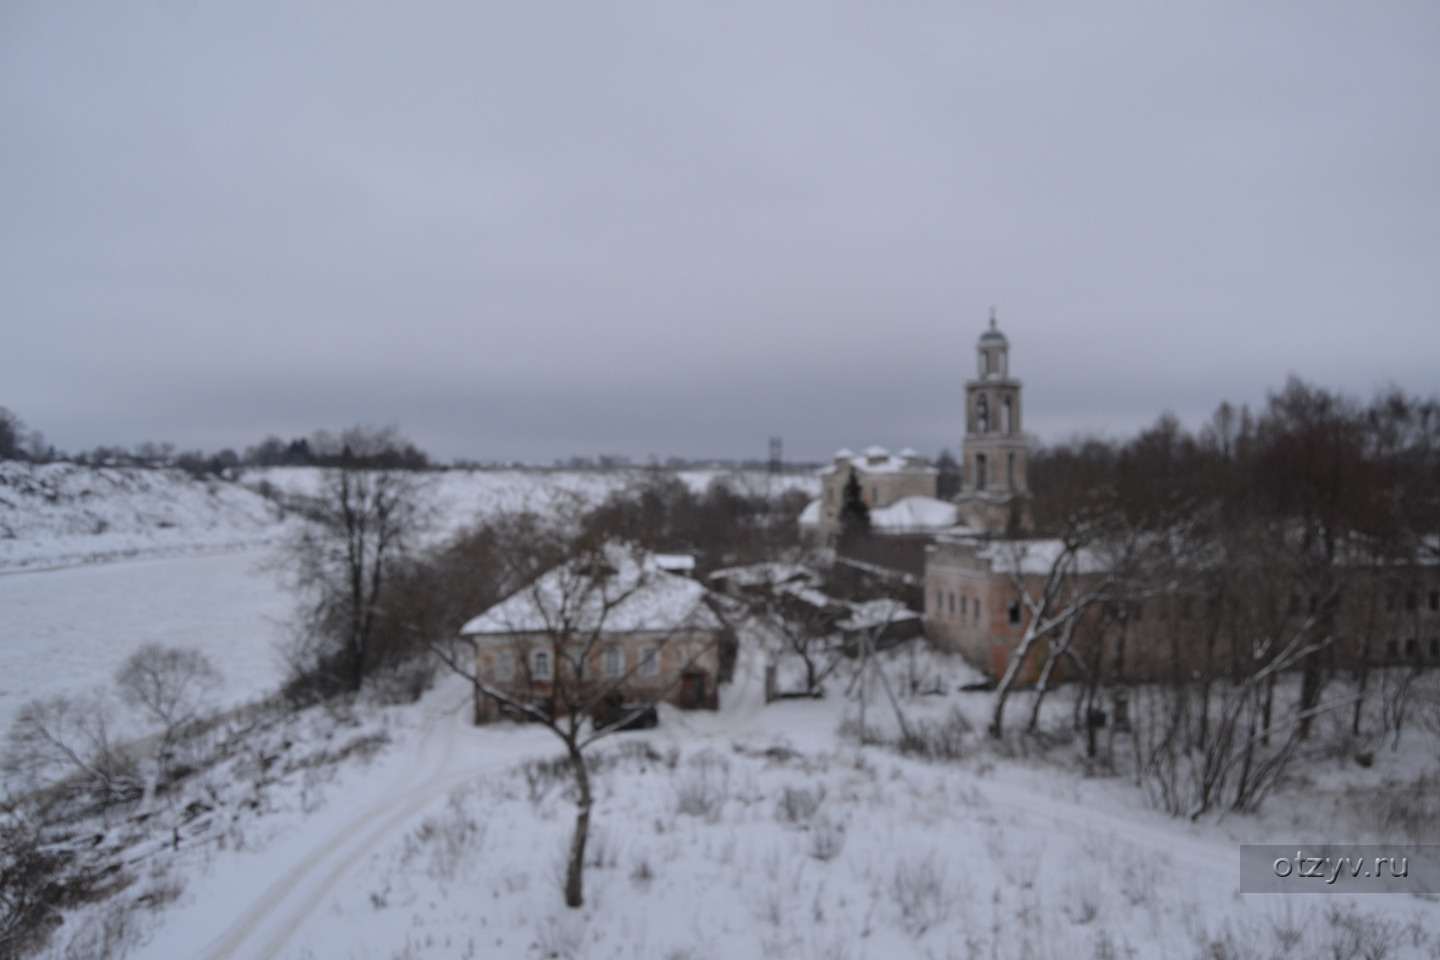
{"type": "Point", "coordinates": [759, 831]}
{"type": "Point", "coordinates": [66, 631]}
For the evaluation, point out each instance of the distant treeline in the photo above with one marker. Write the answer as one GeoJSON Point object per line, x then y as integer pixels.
{"type": "Point", "coordinates": [322, 449]}
{"type": "Point", "coordinates": [1331, 465]}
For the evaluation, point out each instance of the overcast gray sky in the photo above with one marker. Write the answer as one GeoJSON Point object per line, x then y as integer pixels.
{"type": "Point", "coordinates": [529, 230]}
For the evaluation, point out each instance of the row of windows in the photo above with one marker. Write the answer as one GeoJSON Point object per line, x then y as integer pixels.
{"type": "Point", "coordinates": [945, 604]}
{"type": "Point", "coordinates": [1412, 601]}
{"type": "Point", "coordinates": [1412, 648]}
{"type": "Point", "coordinates": [542, 668]}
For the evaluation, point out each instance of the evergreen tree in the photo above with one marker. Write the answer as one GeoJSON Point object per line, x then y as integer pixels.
{"type": "Point", "coordinates": [947, 484]}
{"type": "Point", "coordinates": [854, 512]}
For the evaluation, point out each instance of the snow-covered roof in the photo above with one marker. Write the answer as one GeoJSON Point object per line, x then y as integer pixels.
{"type": "Point", "coordinates": [878, 460]}
{"type": "Point", "coordinates": [1036, 556]}
{"type": "Point", "coordinates": [674, 562]}
{"type": "Point", "coordinates": [913, 514]}
{"type": "Point", "coordinates": [874, 613]}
{"type": "Point", "coordinates": [634, 593]}
{"type": "Point", "coordinates": [766, 574]}
{"type": "Point", "coordinates": [810, 516]}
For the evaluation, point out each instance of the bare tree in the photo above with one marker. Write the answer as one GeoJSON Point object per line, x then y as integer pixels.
{"type": "Point", "coordinates": [1053, 595]}
{"type": "Point", "coordinates": [363, 521]}
{"type": "Point", "coordinates": [804, 621]}
{"type": "Point", "coordinates": [37, 881]}
{"type": "Point", "coordinates": [69, 737]}
{"type": "Point", "coordinates": [569, 615]}
{"type": "Point", "coordinates": [171, 686]}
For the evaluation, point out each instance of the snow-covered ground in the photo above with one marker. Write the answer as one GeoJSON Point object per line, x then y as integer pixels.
{"type": "Point", "coordinates": [66, 631]}
{"type": "Point", "coordinates": [61, 514]}
{"type": "Point", "coordinates": [757, 831]}
{"type": "Point", "coordinates": [463, 497]}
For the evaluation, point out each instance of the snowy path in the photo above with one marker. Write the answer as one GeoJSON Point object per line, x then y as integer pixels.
{"type": "Point", "coordinates": [268, 897]}
{"type": "Point", "coordinates": [267, 901]}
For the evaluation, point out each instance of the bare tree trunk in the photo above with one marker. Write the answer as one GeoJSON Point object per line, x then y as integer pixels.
{"type": "Point", "coordinates": [575, 871]}
{"type": "Point", "coordinates": [1309, 691]}
{"type": "Point", "coordinates": [1362, 685]}
{"type": "Point", "coordinates": [1267, 708]}
{"type": "Point", "coordinates": [1012, 671]}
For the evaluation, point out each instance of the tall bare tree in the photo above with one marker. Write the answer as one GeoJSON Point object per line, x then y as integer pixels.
{"type": "Point", "coordinates": [365, 518]}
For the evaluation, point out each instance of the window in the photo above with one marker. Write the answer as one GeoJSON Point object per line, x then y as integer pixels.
{"type": "Point", "coordinates": [613, 661]}
{"type": "Point", "coordinates": [1007, 413]}
{"type": "Point", "coordinates": [650, 664]}
{"type": "Point", "coordinates": [540, 665]}
{"type": "Point", "coordinates": [982, 471]}
{"type": "Point", "coordinates": [504, 661]}
{"type": "Point", "coordinates": [1435, 599]}
{"type": "Point", "coordinates": [1434, 647]}
{"type": "Point", "coordinates": [952, 604]}
{"type": "Point", "coordinates": [977, 609]}
{"type": "Point", "coordinates": [963, 599]}
{"type": "Point", "coordinates": [1010, 470]}
{"type": "Point", "coordinates": [982, 414]}
{"type": "Point", "coordinates": [1411, 647]}
{"type": "Point", "coordinates": [1014, 612]}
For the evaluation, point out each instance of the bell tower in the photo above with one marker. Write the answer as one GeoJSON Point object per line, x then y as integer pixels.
{"type": "Point", "coordinates": [994, 493]}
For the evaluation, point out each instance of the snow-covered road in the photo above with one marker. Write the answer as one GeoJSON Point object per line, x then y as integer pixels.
{"type": "Point", "coordinates": [261, 899]}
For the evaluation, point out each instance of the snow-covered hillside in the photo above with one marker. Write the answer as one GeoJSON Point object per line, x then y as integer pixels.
{"type": "Point", "coordinates": [758, 831]}
{"type": "Point", "coordinates": [60, 514]}
{"type": "Point", "coordinates": [463, 497]}
{"type": "Point", "coordinates": [63, 514]}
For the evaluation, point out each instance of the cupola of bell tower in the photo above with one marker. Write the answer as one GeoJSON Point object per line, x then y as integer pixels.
{"type": "Point", "coordinates": [993, 353]}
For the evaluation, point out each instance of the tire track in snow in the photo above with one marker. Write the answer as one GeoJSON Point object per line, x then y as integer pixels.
{"type": "Point", "coordinates": [278, 903]}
